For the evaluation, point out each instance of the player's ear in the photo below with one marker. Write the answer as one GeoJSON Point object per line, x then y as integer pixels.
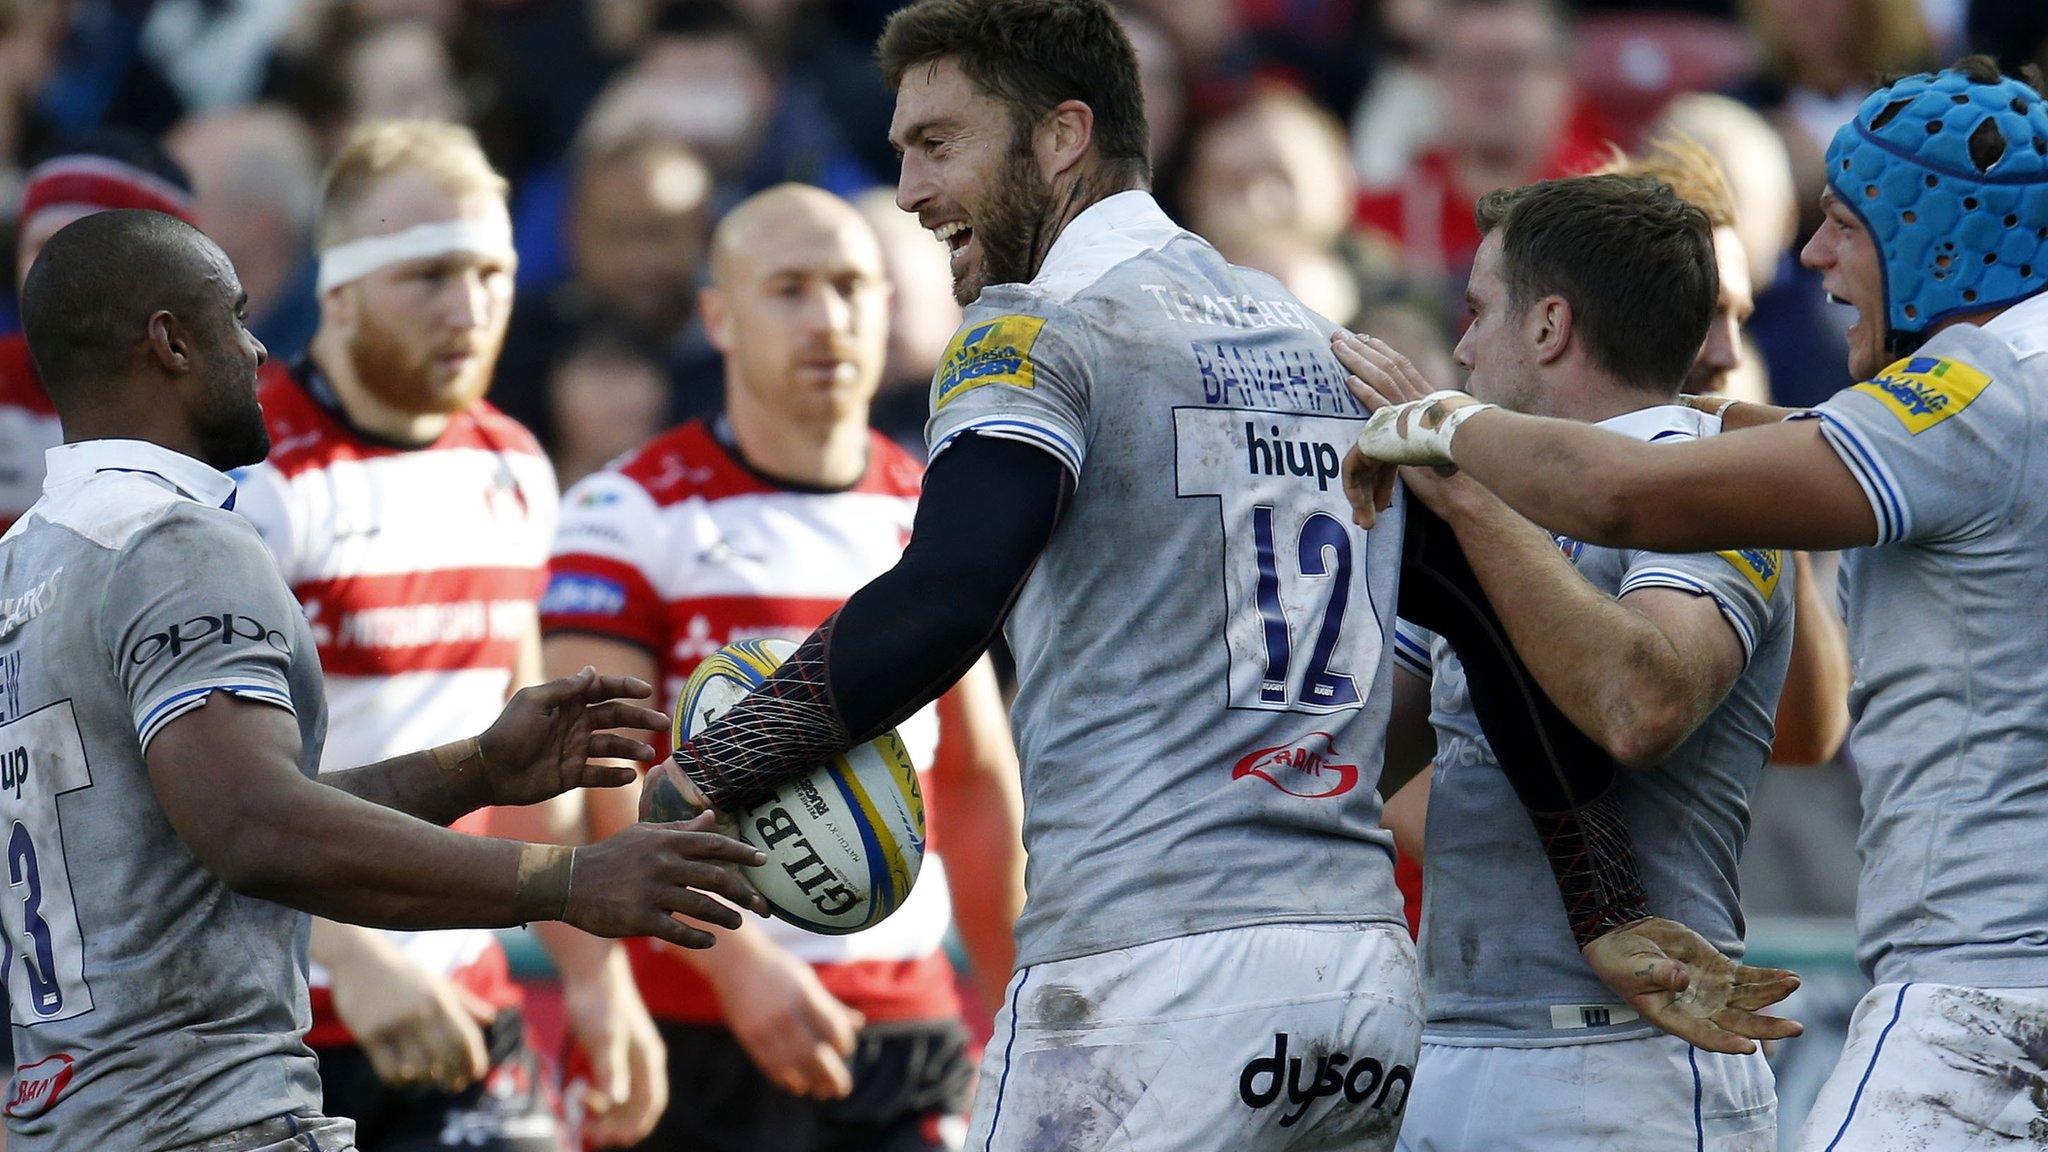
{"type": "Point", "coordinates": [169, 345]}
{"type": "Point", "coordinates": [1550, 328]}
{"type": "Point", "coordinates": [1063, 137]}
{"type": "Point", "coordinates": [717, 319]}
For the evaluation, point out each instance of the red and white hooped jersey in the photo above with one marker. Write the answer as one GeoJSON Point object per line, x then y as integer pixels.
{"type": "Point", "coordinates": [419, 569]}
{"type": "Point", "coordinates": [679, 548]}
{"type": "Point", "coordinates": [28, 429]}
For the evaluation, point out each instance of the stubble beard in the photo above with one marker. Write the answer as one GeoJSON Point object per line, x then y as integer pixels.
{"type": "Point", "coordinates": [384, 370]}
{"type": "Point", "coordinates": [1011, 224]}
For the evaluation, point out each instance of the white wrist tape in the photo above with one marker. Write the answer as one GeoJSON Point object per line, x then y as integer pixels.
{"type": "Point", "coordinates": [352, 260]}
{"type": "Point", "coordinates": [1398, 434]}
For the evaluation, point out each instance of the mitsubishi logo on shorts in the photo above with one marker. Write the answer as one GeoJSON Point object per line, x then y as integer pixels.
{"type": "Point", "coordinates": [1305, 768]}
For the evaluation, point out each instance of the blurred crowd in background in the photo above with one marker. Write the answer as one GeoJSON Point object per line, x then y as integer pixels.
{"type": "Point", "coordinates": [1338, 144]}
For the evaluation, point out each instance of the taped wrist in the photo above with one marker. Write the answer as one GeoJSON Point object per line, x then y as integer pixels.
{"type": "Point", "coordinates": [547, 873]}
{"type": "Point", "coordinates": [786, 723]}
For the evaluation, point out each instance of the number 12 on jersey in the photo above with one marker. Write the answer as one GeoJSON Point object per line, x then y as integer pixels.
{"type": "Point", "coordinates": [1293, 566]}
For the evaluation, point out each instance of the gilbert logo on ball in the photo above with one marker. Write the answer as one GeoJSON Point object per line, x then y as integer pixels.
{"type": "Point", "coordinates": [845, 840]}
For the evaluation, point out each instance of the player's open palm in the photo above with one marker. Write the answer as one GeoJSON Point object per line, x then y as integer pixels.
{"type": "Point", "coordinates": [1684, 985]}
{"type": "Point", "coordinates": [551, 736]}
{"type": "Point", "coordinates": [798, 1034]}
{"type": "Point", "coordinates": [639, 881]}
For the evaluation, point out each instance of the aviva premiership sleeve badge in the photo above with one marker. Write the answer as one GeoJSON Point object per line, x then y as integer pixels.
{"type": "Point", "coordinates": [996, 351]}
{"type": "Point", "coordinates": [1922, 391]}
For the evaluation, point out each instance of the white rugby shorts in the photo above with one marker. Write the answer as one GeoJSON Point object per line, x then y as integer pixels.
{"type": "Point", "coordinates": [1937, 1066]}
{"type": "Point", "coordinates": [1651, 1094]}
{"type": "Point", "coordinates": [1274, 1036]}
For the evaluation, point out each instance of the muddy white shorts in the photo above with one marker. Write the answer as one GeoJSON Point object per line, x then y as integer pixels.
{"type": "Point", "coordinates": [1935, 1066]}
{"type": "Point", "coordinates": [1653, 1094]}
{"type": "Point", "coordinates": [1276, 1036]}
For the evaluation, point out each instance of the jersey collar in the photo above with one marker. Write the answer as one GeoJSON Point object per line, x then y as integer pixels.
{"type": "Point", "coordinates": [1663, 422]}
{"type": "Point", "coordinates": [1105, 234]}
{"type": "Point", "coordinates": [189, 477]}
{"type": "Point", "coordinates": [2024, 326]}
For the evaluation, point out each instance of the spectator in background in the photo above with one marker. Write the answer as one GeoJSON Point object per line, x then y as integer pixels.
{"type": "Point", "coordinates": [1164, 81]}
{"type": "Point", "coordinates": [1396, 116]}
{"type": "Point", "coordinates": [605, 396]}
{"type": "Point", "coordinates": [1799, 335]}
{"type": "Point", "coordinates": [1275, 163]}
{"type": "Point", "coordinates": [29, 34]}
{"type": "Point", "coordinates": [109, 170]}
{"type": "Point", "coordinates": [710, 80]}
{"type": "Point", "coordinates": [639, 219]}
{"type": "Point", "coordinates": [1822, 57]}
{"type": "Point", "coordinates": [1509, 117]}
{"type": "Point", "coordinates": [257, 177]}
{"type": "Point", "coordinates": [922, 319]}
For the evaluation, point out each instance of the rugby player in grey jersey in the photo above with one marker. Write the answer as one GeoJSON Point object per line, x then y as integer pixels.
{"type": "Point", "coordinates": [161, 715]}
{"type": "Point", "coordinates": [1590, 297]}
{"type": "Point", "coordinates": [1135, 454]}
{"type": "Point", "coordinates": [1930, 470]}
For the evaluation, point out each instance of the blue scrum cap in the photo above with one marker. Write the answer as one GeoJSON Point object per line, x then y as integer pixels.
{"type": "Point", "coordinates": [1951, 177]}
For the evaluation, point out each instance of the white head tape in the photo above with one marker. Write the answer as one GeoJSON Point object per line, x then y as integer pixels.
{"type": "Point", "coordinates": [351, 260]}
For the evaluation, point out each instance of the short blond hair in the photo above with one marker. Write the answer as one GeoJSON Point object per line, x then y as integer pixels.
{"type": "Point", "coordinates": [448, 153]}
{"type": "Point", "coordinates": [1690, 170]}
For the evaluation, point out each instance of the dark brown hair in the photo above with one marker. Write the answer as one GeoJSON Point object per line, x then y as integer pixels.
{"type": "Point", "coordinates": [1634, 261]}
{"type": "Point", "coordinates": [1031, 55]}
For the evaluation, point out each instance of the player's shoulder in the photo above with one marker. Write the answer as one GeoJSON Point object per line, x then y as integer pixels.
{"type": "Point", "coordinates": [490, 427]}
{"type": "Point", "coordinates": [1966, 368]}
{"type": "Point", "coordinates": [683, 464]}
{"type": "Point", "coordinates": [127, 511]}
{"type": "Point", "coordinates": [303, 435]}
{"type": "Point", "coordinates": [892, 471]}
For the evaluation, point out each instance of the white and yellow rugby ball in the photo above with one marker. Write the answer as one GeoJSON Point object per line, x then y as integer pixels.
{"type": "Point", "coordinates": [844, 841]}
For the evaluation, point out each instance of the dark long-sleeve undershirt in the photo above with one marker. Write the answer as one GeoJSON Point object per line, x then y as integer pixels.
{"type": "Point", "coordinates": [988, 510]}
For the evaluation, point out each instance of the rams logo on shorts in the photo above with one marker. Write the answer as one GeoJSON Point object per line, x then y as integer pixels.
{"type": "Point", "coordinates": [1922, 391]}
{"type": "Point", "coordinates": [1761, 566]}
{"type": "Point", "coordinates": [995, 351]}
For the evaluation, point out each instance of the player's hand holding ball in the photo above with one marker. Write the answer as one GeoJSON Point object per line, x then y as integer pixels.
{"type": "Point", "coordinates": [545, 741]}
{"type": "Point", "coordinates": [1683, 985]}
{"type": "Point", "coordinates": [637, 882]}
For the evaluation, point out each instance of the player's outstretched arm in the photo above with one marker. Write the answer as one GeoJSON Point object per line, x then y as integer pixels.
{"type": "Point", "coordinates": [988, 509]}
{"type": "Point", "coordinates": [1727, 491]}
{"type": "Point", "coordinates": [546, 742]}
{"type": "Point", "coordinates": [227, 776]}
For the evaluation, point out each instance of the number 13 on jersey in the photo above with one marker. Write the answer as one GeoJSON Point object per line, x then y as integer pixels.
{"type": "Point", "coordinates": [1298, 618]}
{"type": "Point", "coordinates": [41, 757]}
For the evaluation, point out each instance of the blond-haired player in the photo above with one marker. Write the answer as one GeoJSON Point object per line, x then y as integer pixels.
{"type": "Point", "coordinates": [412, 520]}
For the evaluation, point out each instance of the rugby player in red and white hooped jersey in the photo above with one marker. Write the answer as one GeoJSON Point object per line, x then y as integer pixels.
{"type": "Point", "coordinates": [108, 170]}
{"type": "Point", "coordinates": [760, 523]}
{"type": "Point", "coordinates": [412, 521]}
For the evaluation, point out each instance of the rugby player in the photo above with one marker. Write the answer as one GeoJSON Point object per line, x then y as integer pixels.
{"type": "Point", "coordinates": [109, 169]}
{"type": "Point", "coordinates": [1212, 954]}
{"type": "Point", "coordinates": [163, 722]}
{"type": "Point", "coordinates": [412, 520]}
{"type": "Point", "coordinates": [761, 522]}
{"type": "Point", "coordinates": [1590, 298]}
{"type": "Point", "coordinates": [1936, 210]}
